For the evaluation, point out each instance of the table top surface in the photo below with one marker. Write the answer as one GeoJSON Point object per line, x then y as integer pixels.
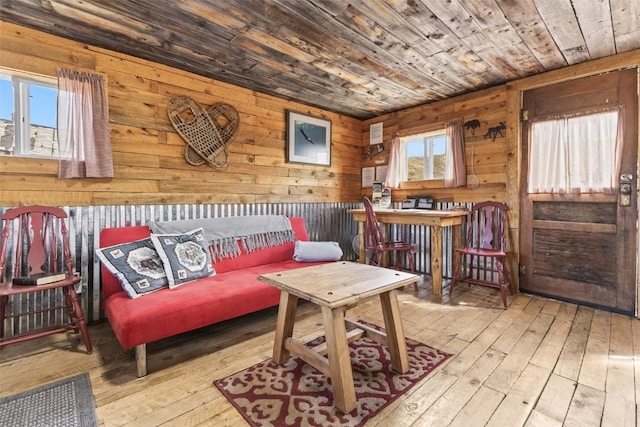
{"type": "Point", "coordinates": [423, 212]}
{"type": "Point", "coordinates": [338, 283]}
{"type": "Point", "coordinates": [428, 217]}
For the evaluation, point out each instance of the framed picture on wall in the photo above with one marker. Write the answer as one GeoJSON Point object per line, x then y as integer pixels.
{"type": "Point", "coordinates": [308, 139]}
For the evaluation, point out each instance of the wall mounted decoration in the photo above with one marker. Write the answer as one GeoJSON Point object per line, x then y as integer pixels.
{"type": "Point", "coordinates": [494, 131]}
{"type": "Point", "coordinates": [473, 125]}
{"type": "Point", "coordinates": [374, 150]}
{"type": "Point", "coordinates": [308, 139]}
{"type": "Point", "coordinates": [207, 132]}
{"type": "Point", "coordinates": [226, 118]}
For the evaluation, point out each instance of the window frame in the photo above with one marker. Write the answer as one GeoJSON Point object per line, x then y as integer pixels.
{"type": "Point", "coordinates": [21, 120]}
{"type": "Point", "coordinates": [425, 182]}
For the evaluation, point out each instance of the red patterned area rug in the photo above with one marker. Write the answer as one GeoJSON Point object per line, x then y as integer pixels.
{"type": "Point", "coordinates": [296, 394]}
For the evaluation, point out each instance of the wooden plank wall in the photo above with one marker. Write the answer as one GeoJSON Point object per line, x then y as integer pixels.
{"type": "Point", "coordinates": [490, 156]}
{"type": "Point", "coordinates": [148, 153]}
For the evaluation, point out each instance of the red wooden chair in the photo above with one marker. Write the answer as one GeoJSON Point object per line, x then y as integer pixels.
{"type": "Point", "coordinates": [377, 246]}
{"type": "Point", "coordinates": [35, 240]}
{"type": "Point", "coordinates": [483, 257]}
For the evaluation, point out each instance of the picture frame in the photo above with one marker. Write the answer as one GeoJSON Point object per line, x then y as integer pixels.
{"type": "Point", "coordinates": [308, 139]}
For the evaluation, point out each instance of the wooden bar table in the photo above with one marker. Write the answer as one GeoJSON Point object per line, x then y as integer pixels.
{"type": "Point", "coordinates": [436, 219]}
{"type": "Point", "coordinates": [336, 287]}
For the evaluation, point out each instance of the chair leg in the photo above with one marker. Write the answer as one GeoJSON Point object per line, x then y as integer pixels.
{"type": "Point", "coordinates": [376, 258]}
{"type": "Point", "coordinates": [77, 315]}
{"type": "Point", "coordinates": [507, 276]}
{"type": "Point", "coordinates": [503, 291]}
{"type": "Point", "coordinates": [4, 300]}
{"type": "Point", "coordinates": [456, 272]}
{"type": "Point", "coordinates": [503, 278]}
{"type": "Point", "coordinates": [412, 264]}
{"type": "Point", "coordinates": [412, 267]}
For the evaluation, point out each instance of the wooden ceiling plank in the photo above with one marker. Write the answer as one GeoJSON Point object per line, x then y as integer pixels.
{"type": "Point", "coordinates": [526, 20]}
{"type": "Point", "coordinates": [453, 56]}
{"type": "Point", "coordinates": [212, 14]}
{"type": "Point", "coordinates": [387, 17]}
{"type": "Point", "coordinates": [422, 49]}
{"type": "Point", "coordinates": [594, 17]}
{"type": "Point", "coordinates": [371, 55]}
{"type": "Point", "coordinates": [563, 25]}
{"type": "Point", "coordinates": [489, 17]}
{"type": "Point", "coordinates": [100, 18]}
{"type": "Point", "coordinates": [379, 38]}
{"type": "Point", "coordinates": [625, 15]}
{"type": "Point", "coordinates": [462, 26]}
{"type": "Point", "coordinates": [278, 45]}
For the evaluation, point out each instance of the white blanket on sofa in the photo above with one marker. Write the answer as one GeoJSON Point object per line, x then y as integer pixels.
{"type": "Point", "coordinates": [228, 235]}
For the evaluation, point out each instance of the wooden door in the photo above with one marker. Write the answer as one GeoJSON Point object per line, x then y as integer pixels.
{"type": "Point", "coordinates": [582, 248]}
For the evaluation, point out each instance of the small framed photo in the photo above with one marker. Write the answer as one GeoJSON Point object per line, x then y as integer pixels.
{"type": "Point", "coordinates": [308, 139]}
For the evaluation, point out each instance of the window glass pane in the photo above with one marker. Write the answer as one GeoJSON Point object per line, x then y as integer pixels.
{"type": "Point", "coordinates": [438, 144]}
{"type": "Point", "coordinates": [426, 156]}
{"type": "Point", "coordinates": [6, 116]}
{"type": "Point", "coordinates": [415, 160]}
{"type": "Point", "coordinates": [42, 120]}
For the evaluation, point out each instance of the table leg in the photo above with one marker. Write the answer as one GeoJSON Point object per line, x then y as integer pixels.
{"type": "Point", "coordinates": [363, 251]}
{"type": "Point", "coordinates": [456, 237]}
{"type": "Point", "coordinates": [284, 325]}
{"type": "Point", "coordinates": [436, 259]}
{"type": "Point", "coordinates": [344, 394]}
{"type": "Point", "coordinates": [396, 343]}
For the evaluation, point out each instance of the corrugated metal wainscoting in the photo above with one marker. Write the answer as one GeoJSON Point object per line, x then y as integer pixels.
{"type": "Point", "coordinates": [324, 221]}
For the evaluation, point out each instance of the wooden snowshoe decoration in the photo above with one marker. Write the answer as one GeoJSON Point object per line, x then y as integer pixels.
{"type": "Point", "coordinates": [207, 132]}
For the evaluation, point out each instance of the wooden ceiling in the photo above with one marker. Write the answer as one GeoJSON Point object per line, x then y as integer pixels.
{"type": "Point", "coordinates": [362, 58]}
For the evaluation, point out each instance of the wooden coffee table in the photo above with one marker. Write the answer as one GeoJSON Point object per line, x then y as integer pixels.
{"type": "Point", "coordinates": [336, 287]}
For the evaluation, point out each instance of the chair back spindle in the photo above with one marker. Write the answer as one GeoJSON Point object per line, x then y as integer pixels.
{"type": "Point", "coordinates": [373, 232]}
{"type": "Point", "coordinates": [35, 239]}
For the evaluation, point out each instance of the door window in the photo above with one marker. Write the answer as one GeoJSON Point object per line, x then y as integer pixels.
{"type": "Point", "coordinates": [575, 154]}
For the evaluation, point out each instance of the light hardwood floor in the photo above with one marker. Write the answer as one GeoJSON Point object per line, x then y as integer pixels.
{"type": "Point", "coordinates": [539, 363]}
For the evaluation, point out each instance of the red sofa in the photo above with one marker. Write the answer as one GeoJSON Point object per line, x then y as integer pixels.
{"type": "Point", "coordinates": [232, 292]}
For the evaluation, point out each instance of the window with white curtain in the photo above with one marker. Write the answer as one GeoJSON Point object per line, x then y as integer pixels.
{"type": "Point", "coordinates": [579, 154]}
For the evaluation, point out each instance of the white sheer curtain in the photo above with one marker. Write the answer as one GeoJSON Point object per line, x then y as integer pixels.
{"type": "Point", "coordinates": [83, 126]}
{"type": "Point", "coordinates": [396, 170]}
{"type": "Point", "coordinates": [575, 154]}
{"type": "Point", "coordinates": [455, 166]}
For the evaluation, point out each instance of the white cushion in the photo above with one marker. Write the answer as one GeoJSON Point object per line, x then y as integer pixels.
{"type": "Point", "coordinates": [317, 251]}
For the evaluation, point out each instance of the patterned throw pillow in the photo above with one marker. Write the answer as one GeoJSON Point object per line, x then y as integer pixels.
{"type": "Point", "coordinates": [185, 256]}
{"type": "Point", "coordinates": [137, 266]}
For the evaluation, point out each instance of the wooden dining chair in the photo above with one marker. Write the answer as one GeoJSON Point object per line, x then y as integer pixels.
{"type": "Point", "coordinates": [377, 246]}
{"type": "Point", "coordinates": [482, 260]}
{"type": "Point", "coordinates": [35, 240]}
